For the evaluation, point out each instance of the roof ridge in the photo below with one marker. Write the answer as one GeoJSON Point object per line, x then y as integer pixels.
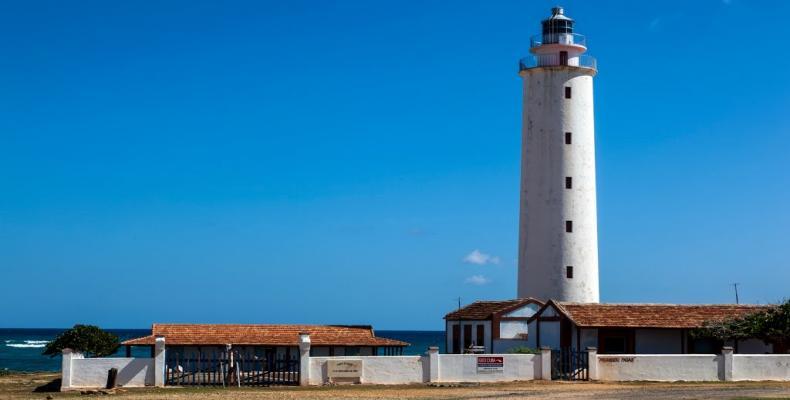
{"type": "Point", "coordinates": [575, 303]}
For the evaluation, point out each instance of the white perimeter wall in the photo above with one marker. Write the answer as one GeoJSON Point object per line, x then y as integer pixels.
{"type": "Point", "coordinates": [92, 372]}
{"type": "Point", "coordinates": [664, 367]}
{"type": "Point", "coordinates": [386, 370]}
{"type": "Point", "coordinates": [399, 370]}
{"type": "Point", "coordinates": [463, 368]}
{"type": "Point", "coordinates": [759, 367]}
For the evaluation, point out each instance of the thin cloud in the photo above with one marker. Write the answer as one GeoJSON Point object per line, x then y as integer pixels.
{"type": "Point", "coordinates": [477, 257]}
{"type": "Point", "coordinates": [477, 280]}
{"type": "Point", "coordinates": [654, 24]}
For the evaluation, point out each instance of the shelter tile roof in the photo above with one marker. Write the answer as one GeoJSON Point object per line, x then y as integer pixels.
{"type": "Point", "coordinates": [263, 335]}
{"type": "Point", "coordinates": [484, 310]}
{"type": "Point", "coordinates": [681, 316]}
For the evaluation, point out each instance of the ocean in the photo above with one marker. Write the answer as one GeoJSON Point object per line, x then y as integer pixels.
{"type": "Point", "coordinates": [20, 349]}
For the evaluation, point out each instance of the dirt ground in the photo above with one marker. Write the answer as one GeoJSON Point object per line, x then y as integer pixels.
{"type": "Point", "coordinates": [39, 386]}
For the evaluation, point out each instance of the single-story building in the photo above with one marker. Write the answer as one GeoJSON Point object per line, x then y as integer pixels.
{"type": "Point", "coordinates": [262, 341]}
{"type": "Point", "coordinates": [495, 326]}
{"type": "Point", "coordinates": [637, 328]}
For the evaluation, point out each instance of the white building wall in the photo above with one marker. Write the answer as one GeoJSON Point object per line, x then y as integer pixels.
{"type": "Point", "coordinates": [545, 248]}
{"type": "Point", "coordinates": [524, 312]}
{"type": "Point", "coordinates": [549, 334]}
{"type": "Point", "coordinates": [648, 367]}
{"type": "Point", "coordinates": [658, 341]}
{"type": "Point", "coordinates": [761, 367]}
{"type": "Point", "coordinates": [513, 329]}
{"type": "Point", "coordinates": [589, 338]}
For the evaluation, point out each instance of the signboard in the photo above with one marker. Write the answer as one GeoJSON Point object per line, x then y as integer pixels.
{"type": "Point", "coordinates": [490, 365]}
{"type": "Point", "coordinates": [344, 368]}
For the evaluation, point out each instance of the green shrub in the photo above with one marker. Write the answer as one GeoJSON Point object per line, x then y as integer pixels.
{"type": "Point", "coordinates": [772, 325]}
{"type": "Point", "coordinates": [523, 350]}
{"type": "Point", "coordinates": [90, 340]}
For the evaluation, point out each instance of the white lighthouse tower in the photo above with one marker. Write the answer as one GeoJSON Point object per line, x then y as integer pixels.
{"type": "Point", "coordinates": [558, 226]}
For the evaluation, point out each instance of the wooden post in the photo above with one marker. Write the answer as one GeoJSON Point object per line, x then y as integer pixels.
{"type": "Point", "coordinates": [112, 378]}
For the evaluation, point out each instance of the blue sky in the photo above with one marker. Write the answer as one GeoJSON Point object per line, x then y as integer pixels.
{"type": "Point", "coordinates": [337, 162]}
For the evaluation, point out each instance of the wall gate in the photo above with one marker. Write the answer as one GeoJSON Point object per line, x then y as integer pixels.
{"type": "Point", "coordinates": [231, 369]}
{"type": "Point", "coordinates": [570, 365]}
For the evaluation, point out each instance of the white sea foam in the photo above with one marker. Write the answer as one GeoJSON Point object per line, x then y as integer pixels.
{"type": "Point", "coordinates": [25, 345]}
{"type": "Point", "coordinates": [36, 341]}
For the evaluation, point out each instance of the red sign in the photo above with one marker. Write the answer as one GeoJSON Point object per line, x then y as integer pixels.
{"type": "Point", "coordinates": [489, 365]}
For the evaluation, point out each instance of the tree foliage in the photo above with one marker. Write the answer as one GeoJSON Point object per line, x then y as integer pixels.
{"type": "Point", "coordinates": [771, 325]}
{"type": "Point", "coordinates": [87, 339]}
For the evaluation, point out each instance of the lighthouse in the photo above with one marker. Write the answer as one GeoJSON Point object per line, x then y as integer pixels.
{"type": "Point", "coordinates": [558, 224]}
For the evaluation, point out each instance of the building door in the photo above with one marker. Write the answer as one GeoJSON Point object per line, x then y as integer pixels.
{"type": "Point", "coordinates": [566, 338]}
{"type": "Point", "coordinates": [456, 339]}
{"type": "Point", "coordinates": [467, 336]}
{"type": "Point", "coordinates": [480, 335]}
{"type": "Point", "coordinates": [563, 58]}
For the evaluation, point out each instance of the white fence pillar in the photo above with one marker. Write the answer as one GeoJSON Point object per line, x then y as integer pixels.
{"type": "Point", "coordinates": [726, 359]}
{"type": "Point", "coordinates": [65, 377]}
{"type": "Point", "coordinates": [592, 363]}
{"type": "Point", "coordinates": [67, 368]}
{"type": "Point", "coordinates": [545, 363]}
{"type": "Point", "coordinates": [304, 359]}
{"type": "Point", "coordinates": [159, 361]}
{"type": "Point", "coordinates": [433, 364]}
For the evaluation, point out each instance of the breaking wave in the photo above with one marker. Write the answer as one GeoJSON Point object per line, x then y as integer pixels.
{"type": "Point", "coordinates": [27, 344]}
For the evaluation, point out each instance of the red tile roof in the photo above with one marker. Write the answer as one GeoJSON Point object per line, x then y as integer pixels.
{"type": "Point", "coordinates": [484, 310]}
{"type": "Point", "coordinates": [650, 315]}
{"type": "Point", "coordinates": [263, 335]}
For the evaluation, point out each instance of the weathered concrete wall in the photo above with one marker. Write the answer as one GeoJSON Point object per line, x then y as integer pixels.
{"type": "Point", "coordinates": [384, 370]}
{"type": "Point", "coordinates": [463, 368]}
{"type": "Point", "coordinates": [92, 372]}
{"type": "Point", "coordinates": [761, 367]}
{"type": "Point", "coordinates": [664, 367]}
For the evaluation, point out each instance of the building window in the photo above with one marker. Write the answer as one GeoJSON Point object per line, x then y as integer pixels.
{"type": "Point", "coordinates": [569, 272]}
{"type": "Point", "coordinates": [567, 92]}
{"type": "Point", "coordinates": [568, 182]}
{"type": "Point", "coordinates": [568, 226]}
{"type": "Point", "coordinates": [567, 138]}
{"type": "Point", "coordinates": [480, 335]}
{"type": "Point", "coordinates": [352, 351]}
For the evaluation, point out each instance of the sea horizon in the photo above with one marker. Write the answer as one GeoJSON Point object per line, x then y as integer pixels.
{"type": "Point", "coordinates": [20, 348]}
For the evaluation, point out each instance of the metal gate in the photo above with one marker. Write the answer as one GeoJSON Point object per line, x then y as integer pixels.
{"type": "Point", "coordinates": [231, 369]}
{"type": "Point", "coordinates": [569, 365]}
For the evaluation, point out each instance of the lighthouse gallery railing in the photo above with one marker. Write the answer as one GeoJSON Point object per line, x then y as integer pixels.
{"type": "Point", "coordinates": [553, 60]}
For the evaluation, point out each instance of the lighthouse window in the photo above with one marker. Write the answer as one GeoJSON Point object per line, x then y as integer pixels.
{"type": "Point", "coordinates": [567, 92]}
{"type": "Point", "coordinates": [568, 226]}
{"type": "Point", "coordinates": [569, 272]}
{"type": "Point", "coordinates": [568, 182]}
{"type": "Point", "coordinates": [567, 138]}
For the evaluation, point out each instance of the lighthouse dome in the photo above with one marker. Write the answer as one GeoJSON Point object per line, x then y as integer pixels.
{"type": "Point", "coordinates": [557, 23]}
